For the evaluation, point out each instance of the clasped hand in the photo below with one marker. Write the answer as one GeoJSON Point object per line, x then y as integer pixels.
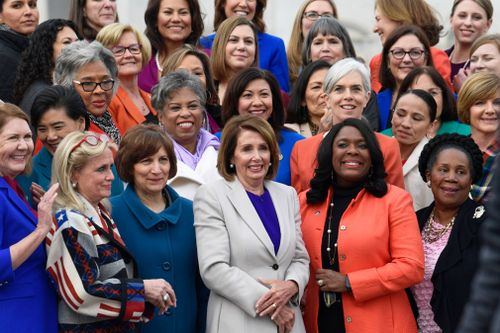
{"type": "Point", "coordinates": [329, 280]}
{"type": "Point", "coordinates": [275, 303]}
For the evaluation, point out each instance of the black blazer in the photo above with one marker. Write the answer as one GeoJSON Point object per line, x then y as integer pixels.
{"type": "Point", "coordinates": [455, 268]}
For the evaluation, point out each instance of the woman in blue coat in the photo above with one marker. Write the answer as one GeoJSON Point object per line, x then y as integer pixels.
{"type": "Point", "coordinates": [27, 299]}
{"type": "Point", "coordinates": [157, 226]}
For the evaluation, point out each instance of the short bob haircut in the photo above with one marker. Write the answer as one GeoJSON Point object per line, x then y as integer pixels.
{"type": "Point", "coordinates": [78, 54]}
{"type": "Point", "coordinates": [297, 111]}
{"type": "Point", "coordinates": [442, 142]}
{"type": "Point", "coordinates": [237, 86]}
{"type": "Point", "coordinates": [449, 112]}
{"type": "Point", "coordinates": [175, 59]}
{"type": "Point", "coordinates": [425, 97]}
{"type": "Point", "coordinates": [154, 36]}
{"type": "Point", "coordinates": [417, 12]}
{"type": "Point", "coordinates": [327, 26]}
{"type": "Point", "coordinates": [173, 82]}
{"type": "Point", "coordinates": [322, 181]}
{"type": "Point", "coordinates": [59, 97]}
{"type": "Point", "coordinates": [296, 40]}
{"type": "Point", "coordinates": [77, 15]}
{"type": "Point", "coordinates": [486, 5]}
{"type": "Point", "coordinates": [111, 34]}
{"type": "Point", "coordinates": [218, 57]}
{"type": "Point", "coordinates": [385, 76]}
{"type": "Point", "coordinates": [7, 113]}
{"type": "Point", "coordinates": [343, 67]}
{"type": "Point", "coordinates": [485, 39]}
{"type": "Point", "coordinates": [258, 19]}
{"type": "Point", "coordinates": [71, 156]}
{"type": "Point", "coordinates": [229, 141]}
{"type": "Point", "coordinates": [477, 87]}
{"type": "Point", "coordinates": [139, 142]}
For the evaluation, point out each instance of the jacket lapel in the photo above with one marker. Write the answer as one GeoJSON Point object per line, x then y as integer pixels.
{"type": "Point", "coordinates": [284, 214]}
{"type": "Point", "coordinates": [412, 160]}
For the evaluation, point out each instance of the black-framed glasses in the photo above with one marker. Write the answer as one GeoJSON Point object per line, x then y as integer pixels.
{"type": "Point", "coordinates": [91, 86]}
{"type": "Point", "coordinates": [414, 54]}
{"type": "Point", "coordinates": [120, 50]}
{"type": "Point", "coordinates": [313, 16]}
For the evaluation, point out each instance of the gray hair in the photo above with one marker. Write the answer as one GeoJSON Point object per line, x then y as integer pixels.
{"type": "Point", "coordinates": [343, 67]}
{"type": "Point", "coordinates": [327, 26]}
{"type": "Point", "coordinates": [173, 82]}
{"type": "Point", "coordinates": [76, 55]}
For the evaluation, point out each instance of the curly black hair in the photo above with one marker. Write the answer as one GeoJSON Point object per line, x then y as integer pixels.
{"type": "Point", "coordinates": [37, 61]}
{"type": "Point", "coordinates": [375, 182]}
{"type": "Point", "coordinates": [451, 141]}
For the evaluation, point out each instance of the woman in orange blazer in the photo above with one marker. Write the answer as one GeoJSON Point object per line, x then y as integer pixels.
{"type": "Point", "coordinates": [362, 238]}
{"type": "Point", "coordinates": [347, 85]}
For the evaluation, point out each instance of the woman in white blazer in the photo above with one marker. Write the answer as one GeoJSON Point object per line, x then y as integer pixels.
{"type": "Point", "coordinates": [249, 241]}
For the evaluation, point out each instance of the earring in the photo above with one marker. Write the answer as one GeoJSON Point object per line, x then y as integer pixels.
{"type": "Point", "coordinates": [428, 183]}
{"type": "Point", "coordinates": [231, 166]}
{"type": "Point", "coordinates": [73, 185]}
{"type": "Point", "coordinates": [270, 163]}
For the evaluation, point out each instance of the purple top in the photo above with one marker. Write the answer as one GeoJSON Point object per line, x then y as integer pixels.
{"type": "Point", "coordinates": [454, 67]}
{"type": "Point", "coordinates": [263, 204]}
{"type": "Point", "coordinates": [204, 140]}
{"type": "Point", "coordinates": [148, 77]}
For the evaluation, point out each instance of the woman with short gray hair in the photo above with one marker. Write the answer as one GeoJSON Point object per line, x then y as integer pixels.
{"type": "Point", "coordinates": [179, 99]}
{"type": "Point", "coordinates": [91, 69]}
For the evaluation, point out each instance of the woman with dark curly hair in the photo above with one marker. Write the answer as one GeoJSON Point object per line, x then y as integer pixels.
{"type": "Point", "coordinates": [362, 237]}
{"type": "Point", "coordinates": [39, 59]}
{"type": "Point", "coordinates": [160, 15]}
{"type": "Point", "coordinates": [450, 164]}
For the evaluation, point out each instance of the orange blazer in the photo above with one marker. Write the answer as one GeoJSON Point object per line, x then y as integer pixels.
{"type": "Point", "coordinates": [303, 161]}
{"type": "Point", "coordinates": [380, 250]}
{"type": "Point", "coordinates": [125, 113]}
{"type": "Point", "coordinates": [439, 58]}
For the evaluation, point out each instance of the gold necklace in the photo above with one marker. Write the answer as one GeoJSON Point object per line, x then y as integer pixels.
{"type": "Point", "coordinates": [430, 234]}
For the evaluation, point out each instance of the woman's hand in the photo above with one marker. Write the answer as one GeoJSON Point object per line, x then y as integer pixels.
{"type": "Point", "coordinates": [285, 319]}
{"type": "Point", "coordinates": [460, 78]}
{"type": "Point", "coordinates": [329, 280]}
{"type": "Point", "coordinates": [326, 122]}
{"type": "Point", "coordinates": [45, 204]}
{"type": "Point", "coordinates": [37, 193]}
{"type": "Point", "coordinates": [159, 293]}
{"type": "Point", "coordinates": [276, 298]}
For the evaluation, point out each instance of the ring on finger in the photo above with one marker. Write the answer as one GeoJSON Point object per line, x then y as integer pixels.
{"type": "Point", "coordinates": [274, 306]}
{"type": "Point", "coordinates": [166, 297]}
{"type": "Point", "coordinates": [320, 283]}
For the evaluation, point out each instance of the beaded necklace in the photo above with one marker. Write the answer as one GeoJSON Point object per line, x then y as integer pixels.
{"type": "Point", "coordinates": [430, 234]}
{"type": "Point", "coordinates": [329, 297]}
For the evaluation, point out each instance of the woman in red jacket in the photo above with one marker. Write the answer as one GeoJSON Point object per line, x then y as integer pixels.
{"type": "Point", "coordinates": [362, 238]}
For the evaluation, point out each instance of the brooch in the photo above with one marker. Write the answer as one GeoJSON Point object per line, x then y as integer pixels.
{"type": "Point", "coordinates": [478, 212]}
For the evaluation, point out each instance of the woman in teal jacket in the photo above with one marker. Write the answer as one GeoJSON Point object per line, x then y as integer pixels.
{"type": "Point", "coordinates": [156, 224]}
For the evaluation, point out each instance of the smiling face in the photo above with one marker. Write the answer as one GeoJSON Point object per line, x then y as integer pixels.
{"type": "Point", "coordinates": [16, 146]}
{"type": "Point", "coordinates": [484, 115]}
{"type": "Point", "coordinates": [128, 64]}
{"type": "Point", "coordinates": [468, 22]}
{"type": "Point", "coordinates": [450, 178]}
{"type": "Point", "coordinates": [54, 125]}
{"type": "Point", "coordinates": [401, 68]}
{"type": "Point", "coordinates": [256, 99]}
{"type": "Point", "coordinates": [194, 65]}
{"type": "Point", "coordinates": [351, 159]}
{"type": "Point", "coordinates": [20, 15]}
{"type": "Point", "coordinates": [182, 117]}
{"type": "Point", "coordinates": [240, 48]}
{"type": "Point", "coordinates": [151, 173]}
{"type": "Point", "coordinates": [328, 48]}
{"type": "Point", "coordinates": [174, 21]}
{"type": "Point", "coordinates": [321, 7]}
{"type": "Point", "coordinates": [486, 58]}
{"type": "Point", "coordinates": [97, 101]}
{"type": "Point", "coordinates": [251, 159]}
{"type": "Point", "coordinates": [64, 37]}
{"type": "Point", "coordinates": [384, 25]}
{"type": "Point", "coordinates": [411, 120]}
{"type": "Point", "coordinates": [424, 82]}
{"type": "Point", "coordinates": [315, 99]}
{"type": "Point", "coordinates": [93, 180]}
{"type": "Point", "coordinates": [100, 13]}
{"type": "Point", "coordinates": [245, 8]}
{"type": "Point", "coordinates": [348, 97]}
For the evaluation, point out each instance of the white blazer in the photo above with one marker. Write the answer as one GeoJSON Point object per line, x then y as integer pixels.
{"type": "Point", "coordinates": [234, 250]}
{"type": "Point", "coordinates": [414, 184]}
{"type": "Point", "coordinates": [186, 181]}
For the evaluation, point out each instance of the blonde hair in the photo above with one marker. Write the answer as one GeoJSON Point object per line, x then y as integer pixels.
{"type": "Point", "coordinates": [71, 155]}
{"type": "Point", "coordinates": [111, 34]}
{"type": "Point", "coordinates": [479, 86]}
{"type": "Point", "coordinates": [483, 40]}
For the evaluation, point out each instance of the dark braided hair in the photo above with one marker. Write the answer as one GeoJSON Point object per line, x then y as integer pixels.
{"type": "Point", "coordinates": [460, 142]}
{"type": "Point", "coordinates": [375, 181]}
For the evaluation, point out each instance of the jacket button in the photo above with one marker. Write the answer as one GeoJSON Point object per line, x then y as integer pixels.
{"type": "Point", "coordinates": [161, 226]}
{"type": "Point", "coordinates": [275, 267]}
{"type": "Point", "coordinates": [348, 319]}
{"type": "Point", "coordinates": [166, 266]}
{"type": "Point", "coordinates": [343, 257]}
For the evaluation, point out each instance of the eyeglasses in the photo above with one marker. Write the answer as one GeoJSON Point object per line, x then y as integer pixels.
{"type": "Point", "coordinates": [120, 50]}
{"type": "Point", "coordinates": [90, 139]}
{"type": "Point", "coordinates": [313, 16]}
{"type": "Point", "coordinates": [414, 54]}
{"type": "Point", "coordinates": [91, 86]}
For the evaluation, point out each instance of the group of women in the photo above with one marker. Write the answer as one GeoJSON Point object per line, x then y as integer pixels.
{"type": "Point", "coordinates": [158, 195]}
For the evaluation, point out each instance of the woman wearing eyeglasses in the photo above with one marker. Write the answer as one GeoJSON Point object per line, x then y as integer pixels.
{"type": "Point", "coordinates": [131, 105]}
{"type": "Point", "coordinates": [91, 69]}
{"type": "Point", "coordinates": [95, 274]}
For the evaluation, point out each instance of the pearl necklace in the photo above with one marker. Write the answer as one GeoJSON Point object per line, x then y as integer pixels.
{"type": "Point", "coordinates": [157, 60]}
{"type": "Point", "coordinates": [430, 234]}
{"type": "Point", "coordinates": [331, 259]}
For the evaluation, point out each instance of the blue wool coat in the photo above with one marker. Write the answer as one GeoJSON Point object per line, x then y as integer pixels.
{"type": "Point", "coordinates": [27, 298]}
{"type": "Point", "coordinates": [164, 246]}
